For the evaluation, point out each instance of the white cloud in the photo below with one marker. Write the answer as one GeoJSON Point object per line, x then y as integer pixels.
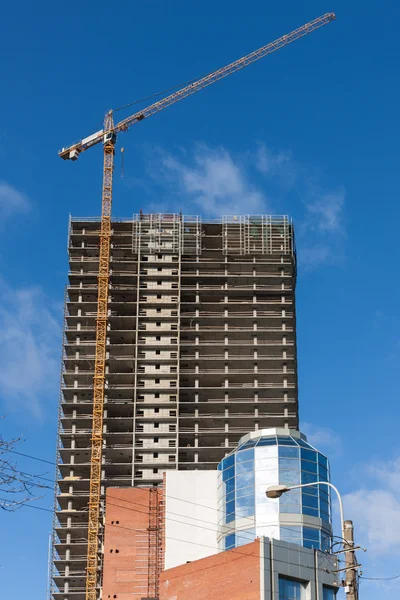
{"type": "Point", "coordinates": [377, 512]}
{"type": "Point", "coordinates": [29, 348]}
{"type": "Point", "coordinates": [323, 438]}
{"type": "Point", "coordinates": [321, 230]}
{"type": "Point", "coordinates": [376, 507]}
{"type": "Point", "coordinates": [276, 164]}
{"type": "Point", "coordinates": [12, 201]}
{"type": "Point", "coordinates": [325, 210]}
{"type": "Point", "coordinates": [314, 256]}
{"type": "Point", "coordinates": [213, 181]}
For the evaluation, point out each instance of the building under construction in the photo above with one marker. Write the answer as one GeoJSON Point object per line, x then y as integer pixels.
{"type": "Point", "coordinates": [200, 350]}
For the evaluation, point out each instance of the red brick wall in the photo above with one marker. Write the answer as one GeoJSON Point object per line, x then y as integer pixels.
{"type": "Point", "coordinates": [231, 575]}
{"type": "Point", "coordinates": [126, 544]}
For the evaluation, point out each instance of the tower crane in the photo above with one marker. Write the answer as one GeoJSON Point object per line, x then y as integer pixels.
{"type": "Point", "coordinates": [108, 137]}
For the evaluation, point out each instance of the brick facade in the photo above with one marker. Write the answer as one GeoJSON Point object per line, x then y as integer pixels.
{"type": "Point", "coordinates": [125, 569]}
{"type": "Point", "coordinates": [231, 575]}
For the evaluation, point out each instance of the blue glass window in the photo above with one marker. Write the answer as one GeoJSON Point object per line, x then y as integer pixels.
{"type": "Point", "coordinates": [289, 476]}
{"type": "Point", "coordinates": [230, 511]}
{"type": "Point", "coordinates": [228, 462]}
{"type": "Point", "coordinates": [312, 490]}
{"type": "Point", "coordinates": [245, 537]}
{"type": "Point", "coordinates": [310, 478]}
{"type": "Point", "coordinates": [328, 593]}
{"type": "Point", "coordinates": [323, 492]}
{"type": "Point", "coordinates": [324, 506]}
{"type": "Point", "coordinates": [291, 534]}
{"type": "Point", "coordinates": [228, 473]}
{"type": "Point", "coordinates": [311, 501]}
{"type": "Point", "coordinates": [323, 473]}
{"type": "Point", "coordinates": [303, 444]}
{"type": "Point", "coordinates": [311, 538]}
{"type": "Point", "coordinates": [290, 502]}
{"type": "Point", "coordinates": [230, 485]}
{"type": "Point", "coordinates": [292, 497]}
{"type": "Point", "coordinates": [290, 509]}
{"type": "Point", "coordinates": [248, 444]}
{"type": "Point", "coordinates": [290, 589]}
{"type": "Point", "coordinates": [288, 451]}
{"type": "Point", "coordinates": [267, 442]}
{"type": "Point", "coordinates": [244, 486]}
{"type": "Point", "coordinates": [312, 512]}
{"type": "Point", "coordinates": [311, 534]}
{"type": "Point", "coordinates": [309, 455]}
{"type": "Point", "coordinates": [326, 542]}
{"type": "Point", "coordinates": [323, 461]}
{"type": "Point", "coordinates": [288, 463]}
{"type": "Point", "coordinates": [306, 465]}
{"type": "Point", "coordinates": [230, 541]}
{"type": "Point", "coordinates": [244, 455]}
{"type": "Point", "coordinates": [286, 441]}
{"type": "Point", "coordinates": [311, 544]}
{"type": "Point", "coordinates": [246, 501]}
{"type": "Point", "coordinates": [230, 496]}
{"type": "Point", "coordinates": [245, 467]}
{"type": "Point", "coordinates": [244, 512]}
{"type": "Point", "coordinates": [325, 521]}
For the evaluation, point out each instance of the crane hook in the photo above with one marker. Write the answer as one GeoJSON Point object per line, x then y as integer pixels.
{"type": "Point", "coordinates": [122, 161]}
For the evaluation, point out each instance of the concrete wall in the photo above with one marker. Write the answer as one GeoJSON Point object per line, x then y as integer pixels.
{"type": "Point", "coordinates": [213, 302]}
{"type": "Point", "coordinates": [190, 516]}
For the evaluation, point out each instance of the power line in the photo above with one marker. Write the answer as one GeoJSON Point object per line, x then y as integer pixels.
{"type": "Point", "coordinates": [166, 496]}
{"type": "Point", "coordinates": [26, 504]}
{"type": "Point", "coordinates": [380, 578]}
{"type": "Point", "coordinates": [130, 501]}
{"type": "Point", "coordinates": [220, 552]}
{"type": "Point", "coordinates": [138, 504]}
{"type": "Point", "coordinates": [168, 537]}
{"type": "Point", "coordinates": [145, 512]}
{"type": "Point", "coordinates": [29, 456]}
{"type": "Point", "coordinates": [25, 474]}
{"type": "Point", "coordinates": [187, 516]}
{"type": "Point", "coordinates": [176, 539]}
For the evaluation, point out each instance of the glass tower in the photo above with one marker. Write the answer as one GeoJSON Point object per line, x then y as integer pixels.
{"type": "Point", "coordinates": [268, 457]}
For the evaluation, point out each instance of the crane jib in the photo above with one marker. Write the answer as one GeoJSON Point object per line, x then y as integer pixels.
{"type": "Point", "coordinates": [72, 152]}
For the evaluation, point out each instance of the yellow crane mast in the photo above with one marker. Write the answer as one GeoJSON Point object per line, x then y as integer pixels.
{"type": "Point", "coordinates": [108, 136]}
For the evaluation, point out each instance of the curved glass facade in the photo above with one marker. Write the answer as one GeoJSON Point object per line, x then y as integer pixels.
{"type": "Point", "coordinates": [268, 457]}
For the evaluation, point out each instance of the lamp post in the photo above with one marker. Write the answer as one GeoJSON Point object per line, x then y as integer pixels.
{"type": "Point", "coordinates": [276, 491]}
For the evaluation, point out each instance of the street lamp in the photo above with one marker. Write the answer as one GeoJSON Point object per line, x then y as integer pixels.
{"type": "Point", "coordinates": [276, 491]}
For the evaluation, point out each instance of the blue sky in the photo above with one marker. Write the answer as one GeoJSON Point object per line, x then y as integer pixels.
{"type": "Point", "coordinates": [311, 131]}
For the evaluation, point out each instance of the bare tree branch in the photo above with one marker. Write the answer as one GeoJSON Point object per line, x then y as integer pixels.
{"type": "Point", "coordinates": [18, 486]}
